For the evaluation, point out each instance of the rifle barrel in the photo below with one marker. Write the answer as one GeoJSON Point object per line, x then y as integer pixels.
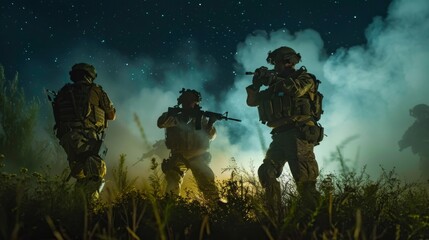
{"type": "Point", "coordinates": [233, 119]}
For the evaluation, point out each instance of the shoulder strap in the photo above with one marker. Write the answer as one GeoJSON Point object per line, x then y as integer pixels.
{"type": "Point", "coordinates": [70, 90]}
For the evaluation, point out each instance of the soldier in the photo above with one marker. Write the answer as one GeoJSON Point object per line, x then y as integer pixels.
{"type": "Point", "coordinates": [189, 141]}
{"type": "Point", "coordinates": [291, 106]}
{"type": "Point", "coordinates": [81, 111]}
{"type": "Point", "coordinates": [417, 137]}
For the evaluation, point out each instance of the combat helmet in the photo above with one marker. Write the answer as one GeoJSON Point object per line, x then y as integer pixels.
{"type": "Point", "coordinates": [189, 95]}
{"type": "Point", "coordinates": [420, 111]}
{"type": "Point", "coordinates": [86, 68]}
{"type": "Point", "coordinates": [283, 54]}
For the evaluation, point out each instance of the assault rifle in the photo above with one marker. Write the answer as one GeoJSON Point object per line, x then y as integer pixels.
{"type": "Point", "coordinates": [198, 114]}
{"type": "Point", "coordinates": [264, 76]}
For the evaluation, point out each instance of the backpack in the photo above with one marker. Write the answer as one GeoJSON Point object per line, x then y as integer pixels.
{"type": "Point", "coordinates": [72, 103]}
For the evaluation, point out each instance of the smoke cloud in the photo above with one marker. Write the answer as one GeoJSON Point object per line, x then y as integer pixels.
{"type": "Point", "coordinates": [368, 90]}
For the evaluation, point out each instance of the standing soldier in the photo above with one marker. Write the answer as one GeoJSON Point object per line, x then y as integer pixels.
{"type": "Point", "coordinates": [417, 137]}
{"type": "Point", "coordinates": [291, 106]}
{"type": "Point", "coordinates": [81, 111]}
{"type": "Point", "coordinates": [189, 141]}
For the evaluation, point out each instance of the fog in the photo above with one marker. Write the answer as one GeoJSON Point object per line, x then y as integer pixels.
{"type": "Point", "coordinates": [368, 91]}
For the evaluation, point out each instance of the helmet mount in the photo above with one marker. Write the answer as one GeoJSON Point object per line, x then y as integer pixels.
{"type": "Point", "coordinates": [80, 70]}
{"type": "Point", "coordinates": [283, 55]}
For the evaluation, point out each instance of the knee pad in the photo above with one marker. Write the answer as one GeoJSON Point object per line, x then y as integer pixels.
{"type": "Point", "coordinates": [267, 174]}
{"type": "Point", "coordinates": [92, 184]}
{"type": "Point", "coordinates": [95, 166]}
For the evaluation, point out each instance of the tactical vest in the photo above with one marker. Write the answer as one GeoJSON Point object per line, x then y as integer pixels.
{"type": "Point", "coordinates": [185, 138]}
{"type": "Point", "coordinates": [278, 108]}
{"type": "Point", "coordinates": [77, 106]}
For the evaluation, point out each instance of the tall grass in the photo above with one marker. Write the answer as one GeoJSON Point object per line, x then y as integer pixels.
{"type": "Point", "coordinates": [352, 206]}
{"type": "Point", "coordinates": [41, 205]}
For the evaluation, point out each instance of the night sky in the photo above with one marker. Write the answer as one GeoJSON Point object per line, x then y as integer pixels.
{"type": "Point", "coordinates": [371, 57]}
{"type": "Point", "coordinates": [47, 31]}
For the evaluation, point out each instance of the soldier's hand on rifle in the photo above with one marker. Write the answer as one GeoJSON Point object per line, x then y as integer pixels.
{"type": "Point", "coordinates": [212, 120]}
{"type": "Point", "coordinates": [259, 76]}
{"type": "Point", "coordinates": [263, 76]}
{"type": "Point", "coordinates": [173, 111]}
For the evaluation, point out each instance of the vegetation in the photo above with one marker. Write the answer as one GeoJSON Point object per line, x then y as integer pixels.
{"type": "Point", "coordinates": [352, 206]}
{"type": "Point", "coordinates": [43, 205]}
{"type": "Point", "coordinates": [18, 118]}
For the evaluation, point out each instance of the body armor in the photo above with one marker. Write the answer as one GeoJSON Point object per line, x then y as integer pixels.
{"type": "Point", "coordinates": [277, 107]}
{"type": "Point", "coordinates": [185, 138]}
{"type": "Point", "coordinates": [282, 109]}
{"type": "Point", "coordinates": [77, 106]}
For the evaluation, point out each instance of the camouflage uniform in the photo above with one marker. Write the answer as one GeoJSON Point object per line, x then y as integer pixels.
{"type": "Point", "coordinates": [284, 106]}
{"type": "Point", "coordinates": [417, 137]}
{"type": "Point", "coordinates": [189, 150]}
{"type": "Point", "coordinates": [81, 111]}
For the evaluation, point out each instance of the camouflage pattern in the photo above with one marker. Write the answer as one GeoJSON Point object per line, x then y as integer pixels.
{"type": "Point", "coordinates": [287, 147]}
{"type": "Point", "coordinates": [285, 107]}
{"type": "Point", "coordinates": [189, 150]}
{"type": "Point", "coordinates": [176, 167]}
{"type": "Point", "coordinates": [81, 105]}
{"type": "Point", "coordinates": [83, 161]}
{"type": "Point", "coordinates": [81, 111]}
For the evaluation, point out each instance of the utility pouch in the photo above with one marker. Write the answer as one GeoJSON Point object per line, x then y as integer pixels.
{"type": "Point", "coordinates": [312, 134]}
{"type": "Point", "coordinates": [302, 107]}
{"type": "Point", "coordinates": [102, 152]}
{"type": "Point", "coordinates": [99, 148]}
{"type": "Point", "coordinates": [99, 117]}
{"type": "Point", "coordinates": [277, 107]}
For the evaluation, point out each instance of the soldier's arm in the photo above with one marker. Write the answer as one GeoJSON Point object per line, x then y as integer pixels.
{"type": "Point", "coordinates": [211, 132]}
{"type": "Point", "coordinates": [408, 138]}
{"type": "Point", "coordinates": [166, 121]}
{"type": "Point", "coordinates": [254, 96]}
{"type": "Point", "coordinates": [299, 86]}
{"type": "Point", "coordinates": [210, 129]}
{"type": "Point", "coordinates": [107, 106]}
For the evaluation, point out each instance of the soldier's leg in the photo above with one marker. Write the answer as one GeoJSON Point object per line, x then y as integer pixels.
{"type": "Point", "coordinates": [174, 171]}
{"type": "Point", "coordinates": [270, 170]}
{"type": "Point", "coordinates": [268, 175]}
{"type": "Point", "coordinates": [305, 171]}
{"type": "Point", "coordinates": [74, 144]}
{"type": "Point", "coordinates": [424, 166]}
{"type": "Point", "coordinates": [94, 170]}
{"type": "Point", "coordinates": [204, 176]}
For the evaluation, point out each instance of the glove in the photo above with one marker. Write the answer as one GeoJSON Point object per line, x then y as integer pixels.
{"type": "Point", "coordinates": [258, 77]}
{"type": "Point", "coordinates": [263, 76]}
{"type": "Point", "coordinates": [173, 111]}
{"type": "Point", "coordinates": [212, 120]}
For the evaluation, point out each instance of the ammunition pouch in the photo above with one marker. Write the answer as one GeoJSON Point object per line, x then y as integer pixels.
{"type": "Point", "coordinates": [97, 116]}
{"type": "Point", "coordinates": [283, 107]}
{"type": "Point", "coordinates": [170, 164]}
{"type": "Point", "coordinates": [312, 133]}
{"type": "Point", "coordinates": [186, 139]}
{"type": "Point", "coordinates": [99, 147]}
